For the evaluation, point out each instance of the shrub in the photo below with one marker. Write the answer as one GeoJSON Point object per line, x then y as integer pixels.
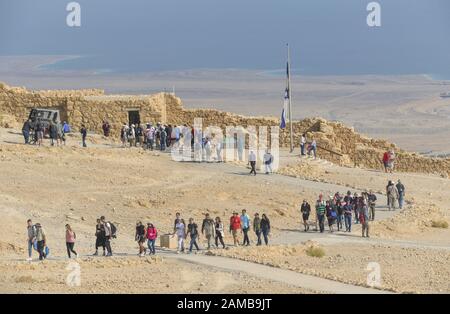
{"type": "Point", "coordinates": [439, 224]}
{"type": "Point", "coordinates": [315, 251]}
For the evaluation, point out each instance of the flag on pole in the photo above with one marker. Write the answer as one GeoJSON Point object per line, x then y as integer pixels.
{"type": "Point", "coordinates": [284, 113]}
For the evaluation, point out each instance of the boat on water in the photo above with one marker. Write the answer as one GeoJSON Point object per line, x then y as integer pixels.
{"type": "Point", "coordinates": [445, 95]}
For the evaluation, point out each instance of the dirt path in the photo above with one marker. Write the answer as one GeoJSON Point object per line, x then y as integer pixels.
{"type": "Point", "coordinates": [276, 274]}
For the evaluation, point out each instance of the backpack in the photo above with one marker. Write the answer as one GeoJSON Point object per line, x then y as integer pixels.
{"type": "Point", "coordinates": [113, 230]}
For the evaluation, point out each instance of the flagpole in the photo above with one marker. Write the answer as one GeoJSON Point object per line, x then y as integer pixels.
{"type": "Point", "coordinates": [290, 97]}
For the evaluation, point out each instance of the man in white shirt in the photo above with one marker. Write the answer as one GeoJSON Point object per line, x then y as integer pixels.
{"type": "Point", "coordinates": [302, 144]}
{"type": "Point", "coordinates": [268, 159]}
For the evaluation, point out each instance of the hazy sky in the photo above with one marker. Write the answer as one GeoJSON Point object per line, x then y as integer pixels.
{"type": "Point", "coordinates": [326, 36]}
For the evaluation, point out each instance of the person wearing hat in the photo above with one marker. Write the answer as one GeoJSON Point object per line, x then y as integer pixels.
{"type": "Point", "coordinates": [372, 198]}
{"type": "Point", "coordinates": [401, 193]}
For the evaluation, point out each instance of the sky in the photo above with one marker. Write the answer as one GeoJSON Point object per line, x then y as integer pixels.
{"type": "Point", "coordinates": [327, 37]}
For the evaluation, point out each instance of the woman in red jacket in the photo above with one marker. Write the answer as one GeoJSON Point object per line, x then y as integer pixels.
{"type": "Point", "coordinates": [151, 235]}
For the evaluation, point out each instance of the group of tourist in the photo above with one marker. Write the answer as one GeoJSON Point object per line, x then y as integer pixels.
{"type": "Point", "coordinates": [34, 132]}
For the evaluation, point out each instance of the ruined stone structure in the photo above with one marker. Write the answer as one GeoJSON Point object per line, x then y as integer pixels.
{"type": "Point", "coordinates": [336, 142]}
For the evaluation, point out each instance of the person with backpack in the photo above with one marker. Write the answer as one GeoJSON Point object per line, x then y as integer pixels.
{"type": "Point", "coordinates": [219, 230]}
{"type": "Point", "coordinates": [139, 237]}
{"type": "Point", "coordinates": [348, 208]}
{"type": "Point", "coordinates": [392, 195]}
{"type": "Point", "coordinates": [235, 225]}
{"type": "Point", "coordinates": [70, 240]}
{"type": "Point", "coordinates": [305, 209]}
{"type": "Point", "coordinates": [110, 231]}
{"type": "Point", "coordinates": [31, 231]}
{"type": "Point", "coordinates": [265, 228]}
{"type": "Point", "coordinates": [151, 234]}
{"type": "Point", "coordinates": [100, 237]}
{"type": "Point", "coordinates": [192, 231]}
{"type": "Point", "coordinates": [372, 199]}
{"type": "Point", "coordinates": [401, 193]}
{"type": "Point", "coordinates": [320, 212]}
{"type": "Point", "coordinates": [331, 215]}
{"type": "Point", "coordinates": [364, 220]}
{"type": "Point", "coordinates": [245, 225]}
{"type": "Point", "coordinates": [208, 229]}
{"type": "Point", "coordinates": [41, 241]}
{"type": "Point", "coordinates": [83, 132]}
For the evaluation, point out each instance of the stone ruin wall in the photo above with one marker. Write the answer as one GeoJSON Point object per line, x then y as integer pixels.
{"type": "Point", "coordinates": [91, 106]}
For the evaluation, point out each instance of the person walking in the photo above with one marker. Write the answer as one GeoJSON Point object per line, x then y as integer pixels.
{"type": "Point", "coordinates": [139, 237]}
{"type": "Point", "coordinates": [320, 212]}
{"type": "Point", "coordinates": [108, 235]}
{"type": "Point", "coordinates": [340, 215]}
{"type": "Point", "coordinates": [235, 225]}
{"type": "Point", "coordinates": [70, 241]}
{"type": "Point", "coordinates": [245, 224]}
{"type": "Point", "coordinates": [39, 132]}
{"type": "Point", "coordinates": [331, 215]}
{"type": "Point", "coordinates": [265, 228]}
{"type": "Point", "coordinates": [305, 209]}
{"type": "Point", "coordinates": [385, 161]}
{"type": "Point", "coordinates": [252, 161]}
{"type": "Point", "coordinates": [139, 135]}
{"type": "Point", "coordinates": [83, 132]}
{"type": "Point", "coordinates": [208, 229]}
{"type": "Point", "coordinates": [100, 237]}
{"type": "Point", "coordinates": [132, 135]}
{"type": "Point", "coordinates": [348, 208]}
{"type": "Point", "coordinates": [268, 160]}
{"type": "Point", "coordinates": [150, 134]}
{"type": "Point", "coordinates": [392, 195]}
{"type": "Point", "coordinates": [180, 231]}
{"type": "Point", "coordinates": [53, 132]}
{"type": "Point", "coordinates": [151, 234]}
{"type": "Point", "coordinates": [41, 241]}
{"type": "Point", "coordinates": [313, 148]}
{"type": "Point", "coordinates": [31, 231]}
{"type": "Point", "coordinates": [364, 220]}
{"type": "Point", "coordinates": [219, 230]}
{"type": "Point", "coordinates": [257, 228]}
{"type": "Point", "coordinates": [372, 199]}
{"type": "Point", "coordinates": [192, 231]}
{"type": "Point", "coordinates": [401, 193]}
{"type": "Point", "coordinates": [26, 128]}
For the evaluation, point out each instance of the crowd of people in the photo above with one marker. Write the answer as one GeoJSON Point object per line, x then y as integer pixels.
{"type": "Point", "coordinates": [34, 132]}
{"type": "Point", "coordinates": [339, 212]}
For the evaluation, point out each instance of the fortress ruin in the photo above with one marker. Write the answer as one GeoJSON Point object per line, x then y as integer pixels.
{"type": "Point", "coordinates": [336, 142]}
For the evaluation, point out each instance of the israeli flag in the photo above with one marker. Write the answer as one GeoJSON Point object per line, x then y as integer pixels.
{"type": "Point", "coordinates": [283, 113]}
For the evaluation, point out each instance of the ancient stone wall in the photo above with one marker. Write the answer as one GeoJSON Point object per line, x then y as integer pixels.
{"type": "Point", "coordinates": [336, 142]}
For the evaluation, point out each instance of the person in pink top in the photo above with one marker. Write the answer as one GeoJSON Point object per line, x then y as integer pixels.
{"type": "Point", "coordinates": [151, 234]}
{"type": "Point", "coordinates": [70, 240]}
